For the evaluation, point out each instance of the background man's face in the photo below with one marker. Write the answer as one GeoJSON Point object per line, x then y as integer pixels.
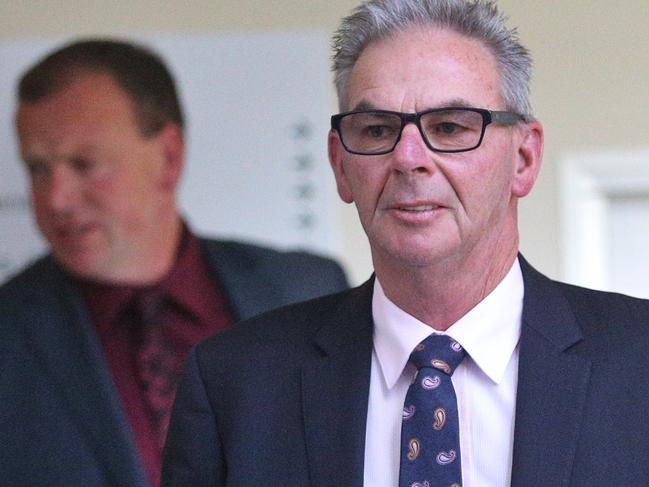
{"type": "Point", "coordinates": [97, 184]}
{"type": "Point", "coordinates": [417, 206]}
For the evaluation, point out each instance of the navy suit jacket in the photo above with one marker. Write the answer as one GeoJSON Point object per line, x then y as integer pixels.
{"type": "Point", "coordinates": [61, 421]}
{"type": "Point", "coordinates": [282, 399]}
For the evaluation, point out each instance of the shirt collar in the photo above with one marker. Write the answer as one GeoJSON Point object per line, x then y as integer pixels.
{"type": "Point", "coordinates": [489, 332]}
{"type": "Point", "coordinates": [188, 274]}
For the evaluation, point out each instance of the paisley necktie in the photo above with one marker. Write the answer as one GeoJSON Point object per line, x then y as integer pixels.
{"type": "Point", "coordinates": [430, 445]}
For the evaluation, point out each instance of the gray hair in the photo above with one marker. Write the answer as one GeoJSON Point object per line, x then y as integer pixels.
{"type": "Point", "coordinates": [478, 19]}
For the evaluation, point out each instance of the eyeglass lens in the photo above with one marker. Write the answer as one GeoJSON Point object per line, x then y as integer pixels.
{"type": "Point", "coordinates": [376, 132]}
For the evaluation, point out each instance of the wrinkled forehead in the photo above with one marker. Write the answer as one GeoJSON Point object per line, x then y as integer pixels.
{"type": "Point", "coordinates": [424, 67]}
{"type": "Point", "coordinates": [91, 110]}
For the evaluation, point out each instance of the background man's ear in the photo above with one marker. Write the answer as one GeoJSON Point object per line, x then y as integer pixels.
{"type": "Point", "coordinates": [173, 146]}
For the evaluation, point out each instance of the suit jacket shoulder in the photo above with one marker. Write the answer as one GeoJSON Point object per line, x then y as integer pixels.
{"type": "Point", "coordinates": [257, 279]}
{"type": "Point", "coordinates": [40, 284]}
{"type": "Point", "coordinates": [592, 322]}
{"type": "Point", "coordinates": [41, 273]}
{"type": "Point", "coordinates": [582, 412]}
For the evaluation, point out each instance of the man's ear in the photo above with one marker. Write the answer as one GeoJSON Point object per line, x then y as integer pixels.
{"type": "Point", "coordinates": [528, 158]}
{"type": "Point", "coordinates": [173, 146]}
{"type": "Point", "coordinates": [336, 152]}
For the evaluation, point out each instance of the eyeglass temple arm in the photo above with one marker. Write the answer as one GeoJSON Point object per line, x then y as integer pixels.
{"type": "Point", "coordinates": [507, 118]}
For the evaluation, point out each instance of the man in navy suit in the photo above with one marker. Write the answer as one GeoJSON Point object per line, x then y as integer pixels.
{"type": "Point", "coordinates": [95, 333]}
{"type": "Point", "coordinates": [435, 145]}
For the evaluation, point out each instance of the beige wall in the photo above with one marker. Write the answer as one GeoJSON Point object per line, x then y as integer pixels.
{"type": "Point", "coordinates": [591, 90]}
{"type": "Point", "coordinates": [591, 87]}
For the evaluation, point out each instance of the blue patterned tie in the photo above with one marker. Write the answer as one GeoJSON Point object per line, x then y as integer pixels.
{"type": "Point", "coordinates": [430, 442]}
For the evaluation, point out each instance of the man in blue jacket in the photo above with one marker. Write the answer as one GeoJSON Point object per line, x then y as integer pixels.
{"type": "Point", "coordinates": [456, 364]}
{"type": "Point", "coordinates": [95, 333]}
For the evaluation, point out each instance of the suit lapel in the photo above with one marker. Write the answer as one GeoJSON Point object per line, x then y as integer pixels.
{"type": "Point", "coordinates": [552, 386]}
{"type": "Point", "coordinates": [335, 385]}
{"type": "Point", "coordinates": [67, 347]}
{"type": "Point", "coordinates": [246, 289]}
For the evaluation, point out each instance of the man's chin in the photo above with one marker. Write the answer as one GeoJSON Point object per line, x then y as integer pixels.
{"type": "Point", "coordinates": [81, 265]}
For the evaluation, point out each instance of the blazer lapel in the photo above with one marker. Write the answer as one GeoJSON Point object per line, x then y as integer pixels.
{"type": "Point", "coordinates": [67, 346]}
{"type": "Point", "coordinates": [335, 384]}
{"type": "Point", "coordinates": [552, 386]}
{"type": "Point", "coordinates": [246, 289]}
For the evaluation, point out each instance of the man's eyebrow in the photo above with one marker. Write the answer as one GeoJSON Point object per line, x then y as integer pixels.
{"type": "Point", "coordinates": [29, 158]}
{"type": "Point", "coordinates": [364, 106]}
{"type": "Point", "coordinates": [452, 103]}
{"type": "Point", "coordinates": [456, 103]}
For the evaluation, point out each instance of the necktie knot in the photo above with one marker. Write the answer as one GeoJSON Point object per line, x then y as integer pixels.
{"type": "Point", "coordinates": [439, 352]}
{"type": "Point", "coordinates": [148, 304]}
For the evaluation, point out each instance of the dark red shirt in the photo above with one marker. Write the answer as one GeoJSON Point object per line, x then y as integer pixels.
{"type": "Point", "coordinates": [199, 310]}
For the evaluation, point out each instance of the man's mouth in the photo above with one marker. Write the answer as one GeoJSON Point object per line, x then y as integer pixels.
{"type": "Point", "coordinates": [73, 231]}
{"type": "Point", "coordinates": [418, 208]}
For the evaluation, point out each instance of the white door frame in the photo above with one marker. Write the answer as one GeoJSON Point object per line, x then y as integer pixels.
{"type": "Point", "coordinates": [587, 183]}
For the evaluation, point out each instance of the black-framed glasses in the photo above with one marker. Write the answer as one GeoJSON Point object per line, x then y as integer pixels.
{"type": "Point", "coordinates": [375, 132]}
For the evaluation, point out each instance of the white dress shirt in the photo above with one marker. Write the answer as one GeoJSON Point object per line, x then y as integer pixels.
{"type": "Point", "coordinates": [485, 384]}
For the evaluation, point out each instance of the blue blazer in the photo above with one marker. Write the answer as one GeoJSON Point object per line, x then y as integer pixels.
{"type": "Point", "coordinates": [61, 421]}
{"type": "Point", "coordinates": [282, 399]}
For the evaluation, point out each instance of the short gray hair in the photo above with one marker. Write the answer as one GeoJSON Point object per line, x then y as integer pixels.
{"type": "Point", "coordinates": [478, 19]}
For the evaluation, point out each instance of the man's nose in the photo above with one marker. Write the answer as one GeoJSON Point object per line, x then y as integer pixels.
{"type": "Point", "coordinates": [61, 188]}
{"type": "Point", "coordinates": [411, 153]}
